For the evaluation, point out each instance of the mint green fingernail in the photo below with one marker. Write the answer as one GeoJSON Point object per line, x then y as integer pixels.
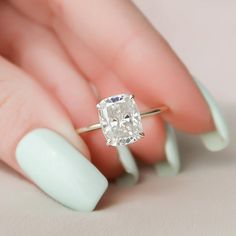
{"type": "Point", "coordinates": [218, 139]}
{"type": "Point", "coordinates": [131, 175]}
{"type": "Point", "coordinates": [60, 170]}
{"type": "Point", "coordinates": [171, 166]}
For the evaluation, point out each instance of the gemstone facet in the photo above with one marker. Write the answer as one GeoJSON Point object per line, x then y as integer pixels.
{"type": "Point", "coordinates": [120, 119]}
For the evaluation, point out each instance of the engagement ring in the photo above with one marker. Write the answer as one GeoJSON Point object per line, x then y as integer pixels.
{"type": "Point", "coordinates": [120, 119]}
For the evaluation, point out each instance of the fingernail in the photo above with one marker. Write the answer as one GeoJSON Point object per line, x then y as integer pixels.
{"type": "Point", "coordinates": [171, 165]}
{"type": "Point", "coordinates": [131, 175]}
{"type": "Point", "coordinates": [60, 170]}
{"type": "Point", "coordinates": [218, 139]}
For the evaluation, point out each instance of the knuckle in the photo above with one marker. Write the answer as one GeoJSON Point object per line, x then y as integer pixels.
{"type": "Point", "coordinates": [16, 115]}
{"type": "Point", "coordinates": [5, 93]}
{"type": "Point", "coordinates": [14, 110]}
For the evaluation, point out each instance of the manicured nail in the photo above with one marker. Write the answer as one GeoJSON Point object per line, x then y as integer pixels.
{"type": "Point", "coordinates": [218, 139]}
{"type": "Point", "coordinates": [60, 170]}
{"type": "Point", "coordinates": [131, 175]}
{"type": "Point", "coordinates": [171, 165]}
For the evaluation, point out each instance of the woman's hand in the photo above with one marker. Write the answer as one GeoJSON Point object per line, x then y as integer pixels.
{"type": "Point", "coordinates": [60, 51]}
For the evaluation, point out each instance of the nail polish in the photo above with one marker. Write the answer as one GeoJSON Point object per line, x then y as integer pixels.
{"type": "Point", "coordinates": [60, 170]}
{"type": "Point", "coordinates": [131, 175]}
{"type": "Point", "coordinates": [170, 166]}
{"type": "Point", "coordinates": [218, 139]}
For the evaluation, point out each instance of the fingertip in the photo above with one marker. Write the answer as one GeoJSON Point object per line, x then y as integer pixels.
{"type": "Point", "coordinates": [131, 174]}
{"type": "Point", "coordinates": [171, 165]}
{"type": "Point", "coordinates": [60, 170]}
{"type": "Point", "coordinates": [218, 138]}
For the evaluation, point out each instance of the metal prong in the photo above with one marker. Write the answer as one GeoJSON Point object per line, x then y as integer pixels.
{"type": "Point", "coordinates": [108, 143]}
{"type": "Point", "coordinates": [131, 96]}
{"type": "Point", "coordinates": [98, 106]}
{"type": "Point", "coordinates": [142, 134]}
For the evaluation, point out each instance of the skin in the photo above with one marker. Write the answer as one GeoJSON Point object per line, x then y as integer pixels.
{"type": "Point", "coordinates": [60, 48]}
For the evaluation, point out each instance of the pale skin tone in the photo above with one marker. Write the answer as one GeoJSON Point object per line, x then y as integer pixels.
{"type": "Point", "coordinates": [52, 51]}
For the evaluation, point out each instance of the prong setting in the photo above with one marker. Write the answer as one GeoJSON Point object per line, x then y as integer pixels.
{"type": "Point", "coordinates": [108, 143]}
{"type": "Point", "coordinates": [142, 134]}
{"type": "Point", "coordinates": [120, 120]}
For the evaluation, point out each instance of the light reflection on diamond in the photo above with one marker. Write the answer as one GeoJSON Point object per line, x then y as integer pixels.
{"type": "Point", "coordinates": [120, 120]}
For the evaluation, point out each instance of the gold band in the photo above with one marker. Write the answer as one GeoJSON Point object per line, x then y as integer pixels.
{"type": "Point", "coordinates": [151, 112]}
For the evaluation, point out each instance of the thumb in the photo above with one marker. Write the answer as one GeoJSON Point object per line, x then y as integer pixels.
{"type": "Point", "coordinates": [41, 143]}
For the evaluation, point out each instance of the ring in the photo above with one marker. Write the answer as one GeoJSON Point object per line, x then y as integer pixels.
{"type": "Point", "coordinates": [120, 120]}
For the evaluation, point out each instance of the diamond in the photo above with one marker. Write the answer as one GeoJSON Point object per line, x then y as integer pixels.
{"type": "Point", "coordinates": [120, 120]}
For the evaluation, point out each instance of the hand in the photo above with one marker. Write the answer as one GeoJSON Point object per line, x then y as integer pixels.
{"type": "Point", "coordinates": [60, 51]}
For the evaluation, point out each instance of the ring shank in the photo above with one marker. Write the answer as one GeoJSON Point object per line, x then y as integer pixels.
{"type": "Point", "coordinates": [151, 112]}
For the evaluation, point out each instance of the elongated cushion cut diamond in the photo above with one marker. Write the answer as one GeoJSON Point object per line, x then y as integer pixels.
{"type": "Point", "coordinates": [120, 119]}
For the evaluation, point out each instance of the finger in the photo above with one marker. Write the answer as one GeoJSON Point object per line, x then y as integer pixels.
{"type": "Point", "coordinates": [40, 142]}
{"type": "Point", "coordinates": [147, 149]}
{"type": "Point", "coordinates": [137, 54]}
{"type": "Point", "coordinates": [40, 54]}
